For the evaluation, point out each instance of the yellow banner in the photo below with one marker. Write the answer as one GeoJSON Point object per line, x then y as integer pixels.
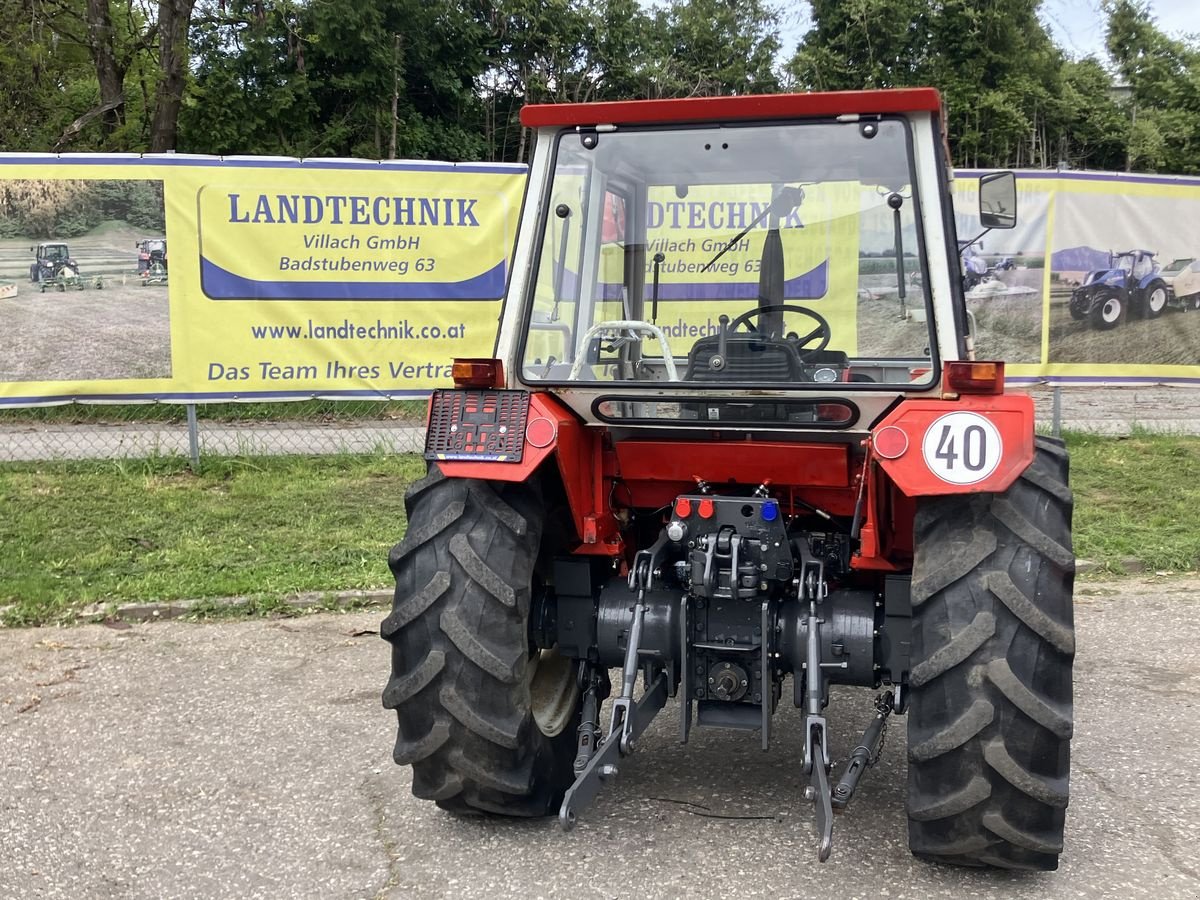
{"type": "Point", "coordinates": [185, 278]}
{"type": "Point", "coordinates": [198, 278]}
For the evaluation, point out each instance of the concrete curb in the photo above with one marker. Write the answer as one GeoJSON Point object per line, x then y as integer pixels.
{"type": "Point", "coordinates": [173, 609]}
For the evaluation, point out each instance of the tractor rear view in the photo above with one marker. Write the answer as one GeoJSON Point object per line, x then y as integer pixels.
{"type": "Point", "coordinates": [700, 469]}
{"type": "Point", "coordinates": [152, 260]}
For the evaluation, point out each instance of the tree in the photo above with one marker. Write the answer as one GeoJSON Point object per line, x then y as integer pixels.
{"type": "Point", "coordinates": [172, 27]}
{"type": "Point", "coordinates": [1163, 75]}
{"type": "Point", "coordinates": [997, 68]}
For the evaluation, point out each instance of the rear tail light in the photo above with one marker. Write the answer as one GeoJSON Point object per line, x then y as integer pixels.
{"type": "Point", "coordinates": [477, 373]}
{"type": "Point", "coordinates": [965, 377]}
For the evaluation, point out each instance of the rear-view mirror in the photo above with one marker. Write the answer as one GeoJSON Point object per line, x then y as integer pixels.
{"type": "Point", "coordinates": [998, 200]}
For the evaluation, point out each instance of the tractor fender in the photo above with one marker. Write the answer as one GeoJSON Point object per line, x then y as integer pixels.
{"type": "Point", "coordinates": [970, 445]}
{"type": "Point", "coordinates": [552, 431]}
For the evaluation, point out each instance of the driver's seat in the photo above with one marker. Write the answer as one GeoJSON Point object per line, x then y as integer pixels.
{"type": "Point", "coordinates": [748, 358]}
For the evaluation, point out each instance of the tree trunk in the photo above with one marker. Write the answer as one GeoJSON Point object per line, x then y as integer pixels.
{"type": "Point", "coordinates": [395, 94]}
{"type": "Point", "coordinates": [173, 19]}
{"type": "Point", "coordinates": [109, 73]}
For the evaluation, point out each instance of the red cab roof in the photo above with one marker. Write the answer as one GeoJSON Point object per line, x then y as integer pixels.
{"type": "Point", "coordinates": [717, 109]}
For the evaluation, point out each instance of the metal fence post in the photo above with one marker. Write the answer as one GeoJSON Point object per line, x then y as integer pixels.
{"type": "Point", "coordinates": [1056, 426]}
{"type": "Point", "coordinates": [194, 437]}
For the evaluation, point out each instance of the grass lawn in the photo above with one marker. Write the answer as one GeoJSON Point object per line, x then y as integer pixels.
{"type": "Point", "coordinates": [77, 533]}
{"type": "Point", "coordinates": [1137, 498]}
{"type": "Point", "coordinates": [72, 534]}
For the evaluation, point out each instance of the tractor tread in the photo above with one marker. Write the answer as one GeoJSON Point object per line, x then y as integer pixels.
{"type": "Point", "coordinates": [959, 648]}
{"type": "Point", "coordinates": [1031, 534]}
{"type": "Point", "coordinates": [955, 567]}
{"type": "Point", "coordinates": [505, 733]}
{"type": "Point", "coordinates": [403, 687]}
{"type": "Point", "coordinates": [1061, 637]}
{"type": "Point", "coordinates": [1044, 712]}
{"type": "Point", "coordinates": [507, 781]}
{"type": "Point", "coordinates": [480, 572]}
{"type": "Point", "coordinates": [409, 752]}
{"type": "Point", "coordinates": [443, 785]}
{"type": "Point", "coordinates": [977, 717]}
{"type": "Point", "coordinates": [461, 656]}
{"type": "Point", "coordinates": [971, 794]}
{"type": "Point", "coordinates": [464, 638]}
{"type": "Point", "coordinates": [994, 821]}
{"type": "Point", "coordinates": [968, 845]}
{"type": "Point", "coordinates": [427, 531]}
{"type": "Point", "coordinates": [509, 517]}
{"type": "Point", "coordinates": [1052, 792]}
{"type": "Point", "coordinates": [990, 706]}
{"type": "Point", "coordinates": [413, 607]}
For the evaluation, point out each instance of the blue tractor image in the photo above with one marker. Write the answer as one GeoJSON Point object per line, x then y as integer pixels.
{"type": "Point", "coordinates": [1132, 281]}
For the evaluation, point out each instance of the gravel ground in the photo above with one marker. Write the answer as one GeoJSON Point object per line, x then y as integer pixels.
{"type": "Point", "coordinates": [251, 759]}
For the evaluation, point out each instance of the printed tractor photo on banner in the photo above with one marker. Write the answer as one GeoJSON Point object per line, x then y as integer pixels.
{"type": "Point", "coordinates": [1125, 285]}
{"type": "Point", "coordinates": [74, 303]}
{"type": "Point", "coordinates": [1003, 272]}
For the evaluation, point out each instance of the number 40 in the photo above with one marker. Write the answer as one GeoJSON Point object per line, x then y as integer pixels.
{"type": "Point", "coordinates": [974, 447]}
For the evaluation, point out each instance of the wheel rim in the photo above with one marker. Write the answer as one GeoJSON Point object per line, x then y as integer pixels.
{"type": "Point", "coordinates": [1158, 299]}
{"type": "Point", "coordinates": [553, 692]}
{"type": "Point", "coordinates": [1111, 310]}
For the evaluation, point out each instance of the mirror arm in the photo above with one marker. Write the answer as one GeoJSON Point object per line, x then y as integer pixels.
{"type": "Point", "coordinates": [963, 248]}
{"type": "Point", "coordinates": [658, 261]}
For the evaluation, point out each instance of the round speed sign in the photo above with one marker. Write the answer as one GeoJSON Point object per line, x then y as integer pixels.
{"type": "Point", "coordinates": [962, 447]}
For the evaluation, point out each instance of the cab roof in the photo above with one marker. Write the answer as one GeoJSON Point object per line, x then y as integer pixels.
{"type": "Point", "coordinates": [717, 109]}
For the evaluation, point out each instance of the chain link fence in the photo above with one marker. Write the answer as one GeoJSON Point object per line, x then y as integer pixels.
{"type": "Point", "coordinates": [307, 427]}
{"type": "Point", "coordinates": [324, 427]}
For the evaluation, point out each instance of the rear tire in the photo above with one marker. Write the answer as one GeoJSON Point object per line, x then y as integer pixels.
{"type": "Point", "coordinates": [1154, 299]}
{"type": "Point", "coordinates": [990, 714]}
{"type": "Point", "coordinates": [464, 678]}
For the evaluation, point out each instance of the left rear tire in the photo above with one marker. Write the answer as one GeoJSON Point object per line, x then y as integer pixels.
{"type": "Point", "coordinates": [487, 721]}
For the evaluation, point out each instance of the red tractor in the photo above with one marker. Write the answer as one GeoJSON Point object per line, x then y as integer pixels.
{"type": "Point", "coordinates": [738, 489]}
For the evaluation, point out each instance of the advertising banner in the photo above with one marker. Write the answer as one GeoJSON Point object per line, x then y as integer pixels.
{"type": "Point", "coordinates": [1099, 283]}
{"type": "Point", "coordinates": [194, 278]}
{"type": "Point", "coordinates": [180, 278]}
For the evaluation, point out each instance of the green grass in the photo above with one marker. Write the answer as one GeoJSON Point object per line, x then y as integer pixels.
{"type": "Point", "coordinates": [1137, 497]}
{"type": "Point", "coordinates": [77, 533]}
{"type": "Point", "coordinates": [73, 534]}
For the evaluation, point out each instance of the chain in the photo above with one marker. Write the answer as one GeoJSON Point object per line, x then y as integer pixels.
{"type": "Point", "coordinates": [883, 706]}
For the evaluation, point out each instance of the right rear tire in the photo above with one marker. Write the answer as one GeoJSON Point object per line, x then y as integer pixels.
{"type": "Point", "coordinates": [990, 705]}
{"type": "Point", "coordinates": [468, 690]}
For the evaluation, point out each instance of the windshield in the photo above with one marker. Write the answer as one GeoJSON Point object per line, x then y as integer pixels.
{"type": "Point", "coordinates": [772, 255]}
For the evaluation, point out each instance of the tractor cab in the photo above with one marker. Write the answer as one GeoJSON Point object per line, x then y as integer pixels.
{"type": "Point", "coordinates": [683, 256]}
{"type": "Point", "coordinates": [52, 252]}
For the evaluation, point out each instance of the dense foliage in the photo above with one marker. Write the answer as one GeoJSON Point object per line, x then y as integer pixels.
{"type": "Point", "coordinates": [445, 78]}
{"type": "Point", "coordinates": [63, 208]}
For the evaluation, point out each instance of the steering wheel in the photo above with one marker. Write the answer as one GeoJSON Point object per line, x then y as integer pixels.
{"type": "Point", "coordinates": [821, 332]}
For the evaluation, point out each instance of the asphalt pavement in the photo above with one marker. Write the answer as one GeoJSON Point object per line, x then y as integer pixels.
{"type": "Point", "coordinates": [252, 759]}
